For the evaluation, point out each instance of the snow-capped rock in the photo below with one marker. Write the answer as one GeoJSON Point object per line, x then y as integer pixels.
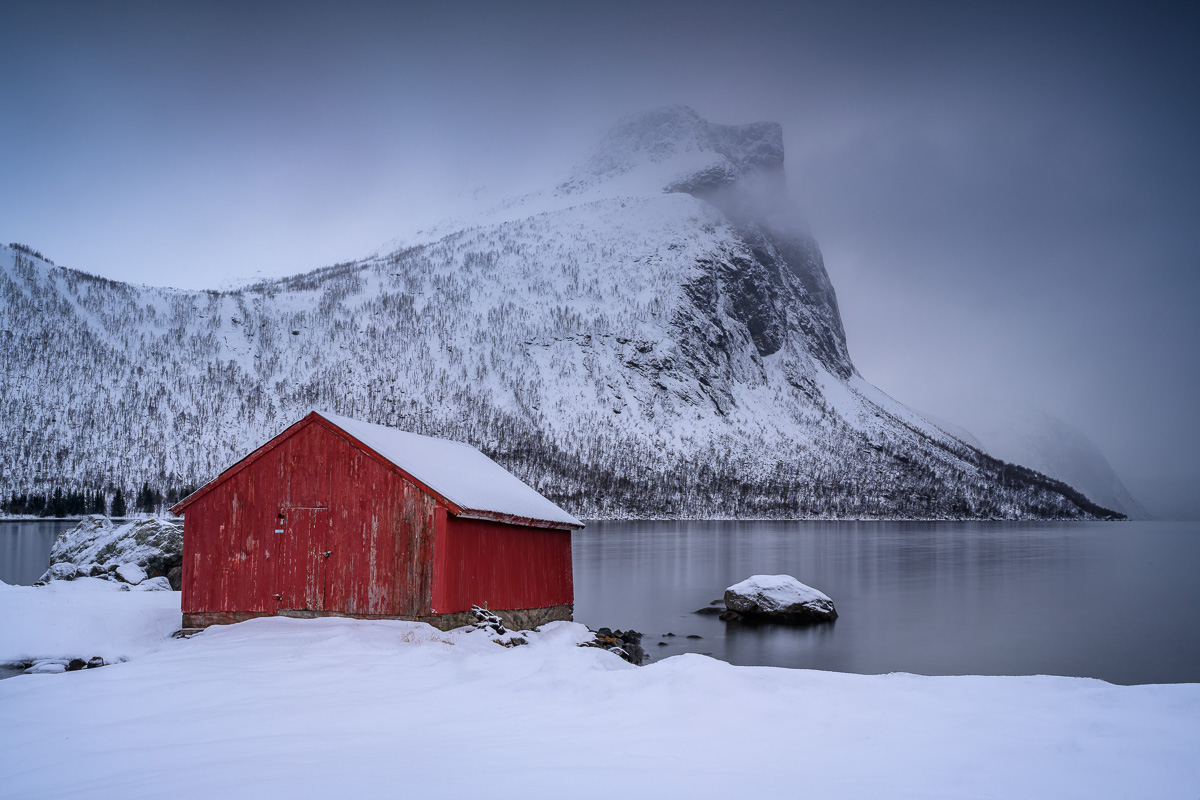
{"type": "Point", "coordinates": [131, 573]}
{"type": "Point", "coordinates": [778, 598]}
{"type": "Point", "coordinates": [654, 337]}
{"type": "Point", "coordinates": [127, 551]}
{"type": "Point", "coordinates": [62, 571]}
{"type": "Point", "coordinates": [158, 584]}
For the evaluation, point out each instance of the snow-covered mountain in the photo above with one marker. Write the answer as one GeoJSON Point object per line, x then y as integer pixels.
{"type": "Point", "coordinates": [1052, 446]}
{"type": "Point", "coordinates": [654, 336]}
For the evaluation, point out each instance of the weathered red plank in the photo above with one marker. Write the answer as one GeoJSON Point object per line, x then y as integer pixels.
{"type": "Point", "coordinates": [505, 566]}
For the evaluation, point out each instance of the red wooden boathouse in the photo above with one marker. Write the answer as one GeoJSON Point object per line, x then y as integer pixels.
{"type": "Point", "coordinates": [340, 517]}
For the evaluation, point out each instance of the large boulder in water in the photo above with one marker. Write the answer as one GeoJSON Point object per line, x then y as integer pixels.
{"type": "Point", "coordinates": [127, 551]}
{"type": "Point", "coordinates": [777, 598]}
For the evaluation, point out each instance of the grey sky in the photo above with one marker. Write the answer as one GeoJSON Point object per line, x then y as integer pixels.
{"type": "Point", "coordinates": [1007, 196]}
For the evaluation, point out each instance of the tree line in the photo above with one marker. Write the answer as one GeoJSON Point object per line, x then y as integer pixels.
{"type": "Point", "coordinates": [73, 503]}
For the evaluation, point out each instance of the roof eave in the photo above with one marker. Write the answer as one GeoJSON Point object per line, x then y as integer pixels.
{"type": "Point", "coordinates": [513, 519]}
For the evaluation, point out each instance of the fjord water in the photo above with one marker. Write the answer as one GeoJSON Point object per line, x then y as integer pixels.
{"type": "Point", "coordinates": [25, 547]}
{"type": "Point", "coordinates": [1116, 601]}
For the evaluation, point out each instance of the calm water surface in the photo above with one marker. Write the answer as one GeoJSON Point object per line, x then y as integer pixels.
{"type": "Point", "coordinates": [25, 547]}
{"type": "Point", "coordinates": [1117, 601]}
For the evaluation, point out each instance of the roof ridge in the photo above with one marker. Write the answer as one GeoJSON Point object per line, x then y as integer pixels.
{"type": "Point", "coordinates": [333, 417]}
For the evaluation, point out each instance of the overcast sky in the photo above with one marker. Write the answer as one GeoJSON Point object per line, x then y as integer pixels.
{"type": "Point", "coordinates": [1007, 197]}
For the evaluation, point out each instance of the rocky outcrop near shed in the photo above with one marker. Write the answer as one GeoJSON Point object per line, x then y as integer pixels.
{"type": "Point", "coordinates": [144, 553]}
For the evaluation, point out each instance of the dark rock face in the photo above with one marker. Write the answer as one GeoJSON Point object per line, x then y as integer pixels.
{"type": "Point", "coordinates": [773, 289]}
{"type": "Point", "coordinates": [780, 285]}
{"type": "Point", "coordinates": [779, 291]}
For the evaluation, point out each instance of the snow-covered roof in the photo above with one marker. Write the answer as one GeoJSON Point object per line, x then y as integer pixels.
{"type": "Point", "coordinates": [456, 471]}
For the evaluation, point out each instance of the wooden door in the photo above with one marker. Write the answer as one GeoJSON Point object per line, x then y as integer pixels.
{"type": "Point", "coordinates": [303, 554]}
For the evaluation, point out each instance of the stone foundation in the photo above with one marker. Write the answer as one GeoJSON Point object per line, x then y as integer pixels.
{"type": "Point", "coordinates": [517, 619]}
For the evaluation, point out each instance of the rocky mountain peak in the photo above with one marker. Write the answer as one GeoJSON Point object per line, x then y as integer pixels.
{"type": "Point", "coordinates": [624, 348]}
{"type": "Point", "coordinates": [676, 150]}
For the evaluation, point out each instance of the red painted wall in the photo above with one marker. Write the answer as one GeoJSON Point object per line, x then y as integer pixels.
{"type": "Point", "coordinates": [335, 498]}
{"type": "Point", "coordinates": [313, 522]}
{"type": "Point", "coordinates": [506, 566]}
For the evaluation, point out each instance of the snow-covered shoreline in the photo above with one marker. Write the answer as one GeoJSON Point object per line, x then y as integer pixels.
{"type": "Point", "coordinates": [338, 707]}
{"type": "Point", "coordinates": [83, 618]}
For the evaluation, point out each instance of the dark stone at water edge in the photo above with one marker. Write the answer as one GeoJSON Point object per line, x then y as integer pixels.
{"type": "Point", "coordinates": [626, 644]}
{"type": "Point", "coordinates": [632, 637]}
{"type": "Point", "coordinates": [708, 610]}
{"type": "Point", "coordinates": [777, 598]}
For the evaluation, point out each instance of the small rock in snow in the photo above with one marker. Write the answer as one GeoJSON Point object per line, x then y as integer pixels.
{"type": "Point", "coordinates": [47, 668]}
{"type": "Point", "coordinates": [159, 584]}
{"type": "Point", "coordinates": [61, 572]}
{"type": "Point", "coordinates": [131, 573]}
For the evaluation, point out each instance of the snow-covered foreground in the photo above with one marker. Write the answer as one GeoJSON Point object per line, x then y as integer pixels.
{"type": "Point", "coordinates": [341, 708]}
{"type": "Point", "coordinates": [83, 618]}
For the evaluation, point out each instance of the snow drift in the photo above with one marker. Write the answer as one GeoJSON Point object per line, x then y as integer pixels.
{"type": "Point", "coordinates": [350, 708]}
